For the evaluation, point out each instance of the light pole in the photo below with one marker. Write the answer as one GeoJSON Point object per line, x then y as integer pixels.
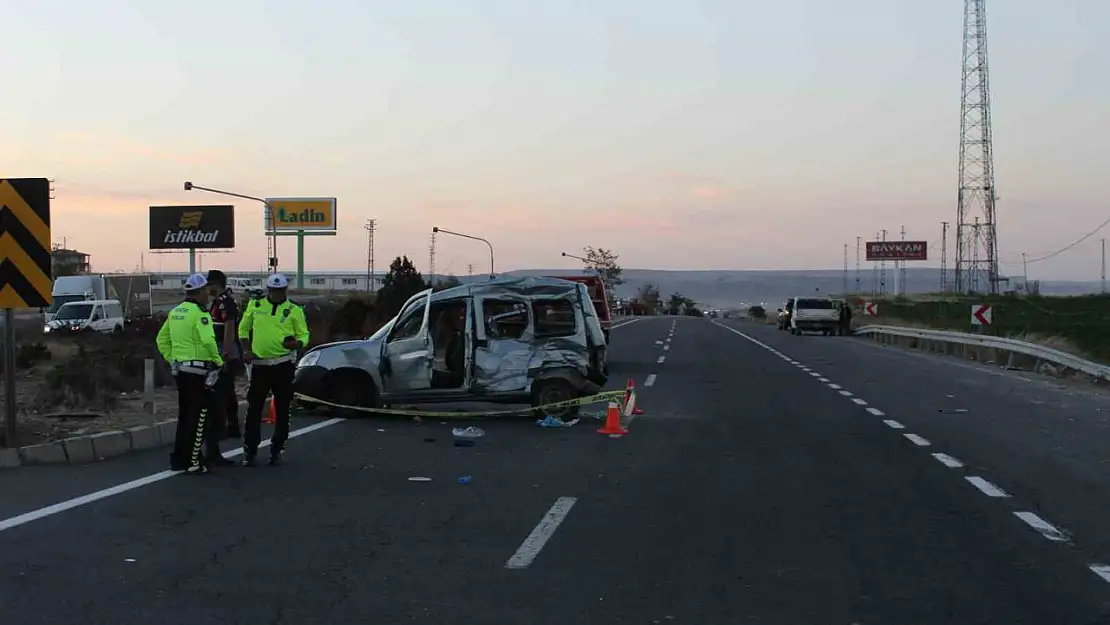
{"type": "Point", "coordinates": [492, 275]}
{"type": "Point", "coordinates": [272, 260]}
{"type": "Point", "coordinates": [584, 260]}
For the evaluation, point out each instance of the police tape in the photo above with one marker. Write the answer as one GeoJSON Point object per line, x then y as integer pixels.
{"type": "Point", "coordinates": [603, 397]}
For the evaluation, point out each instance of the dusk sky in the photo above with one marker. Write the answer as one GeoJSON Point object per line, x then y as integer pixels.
{"type": "Point", "coordinates": [729, 134]}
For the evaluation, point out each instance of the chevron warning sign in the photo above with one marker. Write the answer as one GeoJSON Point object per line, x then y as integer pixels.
{"type": "Point", "coordinates": [25, 270]}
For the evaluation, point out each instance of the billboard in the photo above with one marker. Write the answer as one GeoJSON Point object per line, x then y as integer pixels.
{"type": "Point", "coordinates": [192, 227]}
{"type": "Point", "coordinates": [897, 250]}
{"type": "Point", "coordinates": [294, 214]}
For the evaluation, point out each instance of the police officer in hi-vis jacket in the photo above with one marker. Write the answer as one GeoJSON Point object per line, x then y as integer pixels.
{"type": "Point", "coordinates": [272, 329]}
{"type": "Point", "coordinates": [187, 342]}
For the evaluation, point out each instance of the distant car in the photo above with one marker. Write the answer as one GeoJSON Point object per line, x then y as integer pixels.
{"type": "Point", "coordinates": [757, 312]}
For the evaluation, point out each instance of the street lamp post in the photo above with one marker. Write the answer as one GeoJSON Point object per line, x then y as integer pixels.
{"type": "Point", "coordinates": [492, 275]}
{"type": "Point", "coordinates": [584, 260]}
{"type": "Point", "coordinates": [272, 261]}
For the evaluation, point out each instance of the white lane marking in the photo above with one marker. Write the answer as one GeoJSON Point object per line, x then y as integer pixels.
{"type": "Point", "coordinates": [1102, 570]}
{"type": "Point", "coordinates": [804, 368]}
{"type": "Point", "coordinates": [834, 386]}
{"type": "Point", "coordinates": [876, 412]}
{"type": "Point", "coordinates": [666, 348]}
{"type": "Point", "coordinates": [859, 401]}
{"type": "Point", "coordinates": [917, 440]}
{"type": "Point", "coordinates": [542, 533]}
{"type": "Point", "coordinates": [650, 381]}
{"type": "Point", "coordinates": [846, 393]}
{"type": "Point", "coordinates": [625, 322]}
{"type": "Point", "coordinates": [825, 380]}
{"type": "Point", "coordinates": [894, 424]}
{"type": "Point", "coordinates": [815, 374]}
{"type": "Point", "coordinates": [661, 359]}
{"type": "Point", "coordinates": [119, 489]}
{"type": "Point", "coordinates": [990, 490]}
{"type": "Point", "coordinates": [948, 461]}
{"type": "Point", "coordinates": [1046, 529]}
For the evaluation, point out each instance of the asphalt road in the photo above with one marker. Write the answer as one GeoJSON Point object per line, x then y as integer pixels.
{"type": "Point", "coordinates": [750, 491]}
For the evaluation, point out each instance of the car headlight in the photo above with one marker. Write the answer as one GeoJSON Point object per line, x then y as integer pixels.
{"type": "Point", "coordinates": [309, 359]}
{"type": "Point", "coordinates": [46, 328]}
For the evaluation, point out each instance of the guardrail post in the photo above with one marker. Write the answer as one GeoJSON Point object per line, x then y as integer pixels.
{"type": "Point", "coordinates": [148, 386]}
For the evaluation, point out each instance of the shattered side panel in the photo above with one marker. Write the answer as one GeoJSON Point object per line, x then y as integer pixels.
{"type": "Point", "coordinates": [363, 355]}
{"type": "Point", "coordinates": [511, 364]}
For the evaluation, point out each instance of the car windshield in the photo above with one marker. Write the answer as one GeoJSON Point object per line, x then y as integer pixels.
{"type": "Point", "coordinates": [819, 304]}
{"type": "Point", "coordinates": [74, 312]}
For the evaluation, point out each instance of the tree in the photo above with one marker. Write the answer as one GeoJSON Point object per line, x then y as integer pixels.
{"type": "Point", "coordinates": [447, 282]}
{"type": "Point", "coordinates": [648, 296]}
{"type": "Point", "coordinates": [604, 262]}
{"type": "Point", "coordinates": [402, 282]}
{"type": "Point", "coordinates": [679, 304]}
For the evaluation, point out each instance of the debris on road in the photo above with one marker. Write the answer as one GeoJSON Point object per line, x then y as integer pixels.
{"type": "Point", "coordinates": [555, 422]}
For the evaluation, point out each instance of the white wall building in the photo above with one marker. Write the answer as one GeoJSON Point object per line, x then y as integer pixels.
{"type": "Point", "coordinates": [314, 280]}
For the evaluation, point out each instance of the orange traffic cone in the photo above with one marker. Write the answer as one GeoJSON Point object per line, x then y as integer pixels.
{"type": "Point", "coordinates": [272, 416]}
{"type": "Point", "coordinates": [629, 392]}
{"type": "Point", "coordinates": [613, 421]}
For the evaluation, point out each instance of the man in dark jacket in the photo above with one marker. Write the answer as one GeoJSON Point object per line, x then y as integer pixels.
{"type": "Point", "coordinates": [845, 318]}
{"type": "Point", "coordinates": [225, 319]}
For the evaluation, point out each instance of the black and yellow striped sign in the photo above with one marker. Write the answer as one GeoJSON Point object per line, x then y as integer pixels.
{"type": "Point", "coordinates": [25, 273]}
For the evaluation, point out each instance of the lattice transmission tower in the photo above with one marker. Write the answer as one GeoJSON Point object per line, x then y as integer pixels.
{"type": "Point", "coordinates": [976, 243]}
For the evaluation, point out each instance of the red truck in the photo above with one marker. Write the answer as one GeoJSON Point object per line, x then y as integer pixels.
{"type": "Point", "coordinates": [596, 286]}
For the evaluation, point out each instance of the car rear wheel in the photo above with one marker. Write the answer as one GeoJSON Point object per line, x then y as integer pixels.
{"type": "Point", "coordinates": [554, 391]}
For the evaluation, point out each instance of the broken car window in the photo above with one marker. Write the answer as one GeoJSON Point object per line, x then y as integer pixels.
{"type": "Point", "coordinates": [504, 319]}
{"type": "Point", "coordinates": [554, 318]}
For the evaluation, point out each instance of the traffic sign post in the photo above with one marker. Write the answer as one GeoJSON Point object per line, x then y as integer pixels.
{"type": "Point", "coordinates": [981, 314]}
{"type": "Point", "coordinates": [25, 271]}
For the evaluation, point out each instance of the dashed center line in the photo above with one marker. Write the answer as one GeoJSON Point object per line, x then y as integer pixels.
{"type": "Point", "coordinates": [1102, 570]}
{"type": "Point", "coordinates": [876, 412]}
{"type": "Point", "coordinates": [542, 533]}
{"type": "Point", "coordinates": [666, 348]}
{"type": "Point", "coordinates": [834, 386]}
{"type": "Point", "coordinates": [948, 461]}
{"type": "Point", "coordinates": [661, 359]}
{"type": "Point", "coordinates": [990, 490]}
{"type": "Point", "coordinates": [650, 381]}
{"type": "Point", "coordinates": [1046, 529]}
{"type": "Point", "coordinates": [859, 401]}
{"type": "Point", "coordinates": [917, 440]}
{"type": "Point", "coordinates": [820, 379]}
{"type": "Point", "coordinates": [846, 393]}
{"type": "Point", "coordinates": [894, 424]}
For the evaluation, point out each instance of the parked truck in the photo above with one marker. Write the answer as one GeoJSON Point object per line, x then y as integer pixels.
{"type": "Point", "coordinates": [132, 291]}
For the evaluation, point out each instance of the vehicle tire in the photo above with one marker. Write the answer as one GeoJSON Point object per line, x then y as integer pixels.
{"type": "Point", "coordinates": [552, 391]}
{"type": "Point", "coordinates": [118, 330]}
{"type": "Point", "coordinates": [351, 388]}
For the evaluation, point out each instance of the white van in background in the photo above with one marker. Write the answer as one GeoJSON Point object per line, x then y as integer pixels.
{"type": "Point", "coordinates": [98, 315]}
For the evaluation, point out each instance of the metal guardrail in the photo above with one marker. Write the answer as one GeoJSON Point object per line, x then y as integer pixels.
{"type": "Point", "coordinates": [1039, 352]}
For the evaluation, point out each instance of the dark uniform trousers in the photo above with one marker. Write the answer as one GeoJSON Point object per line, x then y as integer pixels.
{"type": "Point", "coordinates": [194, 400]}
{"type": "Point", "coordinates": [265, 379]}
{"type": "Point", "coordinates": [225, 405]}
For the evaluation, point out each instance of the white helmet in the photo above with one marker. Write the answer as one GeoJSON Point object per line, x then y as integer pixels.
{"type": "Point", "coordinates": [196, 282]}
{"type": "Point", "coordinates": [277, 281]}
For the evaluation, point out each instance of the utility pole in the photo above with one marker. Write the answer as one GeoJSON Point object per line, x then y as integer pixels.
{"type": "Point", "coordinates": [875, 272]}
{"type": "Point", "coordinates": [976, 194]}
{"type": "Point", "coordinates": [1025, 272]}
{"type": "Point", "coordinates": [901, 290]}
{"type": "Point", "coordinates": [470, 269]}
{"type": "Point", "coordinates": [432, 260]}
{"type": "Point", "coordinates": [857, 265]}
{"type": "Point", "coordinates": [844, 286]}
{"type": "Point", "coordinates": [1104, 266]}
{"type": "Point", "coordinates": [944, 257]}
{"type": "Point", "coordinates": [370, 226]}
{"type": "Point", "coordinates": [882, 270]}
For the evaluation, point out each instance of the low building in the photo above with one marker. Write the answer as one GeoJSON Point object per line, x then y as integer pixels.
{"type": "Point", "coordinates": [314, 280]}
{"type": "Point", "coordinates": [65, 262]}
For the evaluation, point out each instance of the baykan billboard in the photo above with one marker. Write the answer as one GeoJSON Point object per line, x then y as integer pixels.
{"type": "Point", "coordinates": [192, 227]}
{"type": "Point", "coordinates": [897, 250]}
